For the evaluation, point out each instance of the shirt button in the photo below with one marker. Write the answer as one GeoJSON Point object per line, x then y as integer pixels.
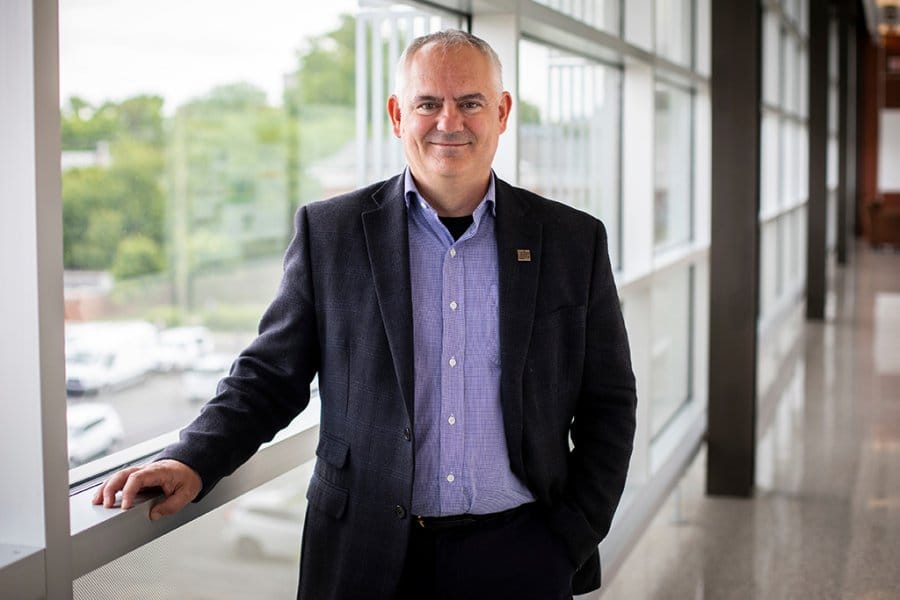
{"type": "Point", "coordinates": [453, 305]}
{"type": "Point", "coordinates": [407, 434]}
{"type": "Point", "coordinates": [452, 362]}
{"type": "Point", "coordinates": [452, 252]}
{"type": "Point", "coordinates": [452, 420]}
{"type": "Point", "coordinates": [400, 512]}
{"type": "Point", "coordinates": [450, 477]}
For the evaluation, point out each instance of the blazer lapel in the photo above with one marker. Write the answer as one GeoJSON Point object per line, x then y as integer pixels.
{"type": "Point", "coordinates": [519, 262]}
{"type": "Point", "coordinates": [387, 240]}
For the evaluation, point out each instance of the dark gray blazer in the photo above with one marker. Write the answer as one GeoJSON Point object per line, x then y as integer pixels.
{"type": "Point", "coordinates": [344, 311]}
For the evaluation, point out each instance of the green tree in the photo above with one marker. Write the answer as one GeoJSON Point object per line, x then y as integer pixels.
{"type": "Point", "coordinates": [327, 67]}
{"type": "Point", "coordinates": [83, 126]}
{"type": "Point", "coordinates": [104, 204]}
{"type": "Point", "coordinates": [96, 249]}
{"type": "Point", "coordinates": [137, 255]}
{"type": "Point", "coordinates": [528, 112]}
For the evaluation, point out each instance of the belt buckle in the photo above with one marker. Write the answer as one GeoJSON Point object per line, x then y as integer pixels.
{"type": "Point", "coordinates": [420, 520]}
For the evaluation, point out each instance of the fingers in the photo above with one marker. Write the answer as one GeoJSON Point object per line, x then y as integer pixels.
{"type": "Point", "coordinates": [179, 483]}
{"type": "Point", "coordinates": [106, 493]}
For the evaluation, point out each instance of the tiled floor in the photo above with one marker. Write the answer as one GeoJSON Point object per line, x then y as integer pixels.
{"type": "Point", "coordinates": [825, 520]}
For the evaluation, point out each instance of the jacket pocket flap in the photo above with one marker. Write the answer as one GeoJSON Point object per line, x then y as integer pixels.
{"type": "Point", "coordinates": [332, 450]}
{"type": "Point", "coordinates": [326, 497]}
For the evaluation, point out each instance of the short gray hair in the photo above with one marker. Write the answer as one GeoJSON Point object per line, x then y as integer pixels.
{"type": "Point", "coordinates": [447, 40]}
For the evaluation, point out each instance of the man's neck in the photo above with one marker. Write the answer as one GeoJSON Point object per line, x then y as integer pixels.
{"type": "Point", "coordinates": [453, 197]}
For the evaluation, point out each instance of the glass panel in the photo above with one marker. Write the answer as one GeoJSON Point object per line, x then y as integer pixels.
{"type": "Point", "coordinates": [769, 162]}
{"type": "Point", "coordinates": [790, 81]}
{"type": "Point", "coordinates": [670, 353]}
{"type": "Point", "coordinates": [601, 14]}
{"type": "Point", "coordinates": [803, 160]}
{"type": "Point", "coordinates": [768, 265]}
{"type": "Point", "coordinates": [788, 164]}
{"type": "Point", "coordinates": [674, 30]}
{"type": "Point", "coordinates": [831, 225]}
{"type": "Point", "coordinates": [804, 83]}
{"type": "Point", "coordinates": [249, 548]}
{"type": "Point", "coordinates": [672, 169]}
{"type": "Point", "coordinates": [187, 146]}
{"type": "Point", "coordinates": [569, 132]}
{"type": "Point", "coordinates": [771, 48]}
{"type": "Point", "coordinates": [781, 249]}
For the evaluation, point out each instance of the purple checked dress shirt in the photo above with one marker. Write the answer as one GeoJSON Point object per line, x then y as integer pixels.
{"type": "Point", "coordinates": [462, 464]}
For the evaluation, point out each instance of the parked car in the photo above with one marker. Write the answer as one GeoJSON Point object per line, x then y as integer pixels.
{"type": "Point", "coordinates": [268, 523]}
{"type": "Point", "coordinates": [94, 429]}
{"type": "Point", "coordinates": [200, 379]}
{"type": "Point", "coordinates": [108, 355]}
{"type": "Point", "coordinates": [179, 348]}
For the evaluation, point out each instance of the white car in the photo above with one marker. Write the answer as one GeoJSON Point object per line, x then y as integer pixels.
{"type": "Point", "coordinates": [95, 430]}
{"type": "Point", "coordinates": [108, 355]}
{"type": "Point", "coordinates": [267, 523]}
{"type": "Point", "coordinates": [179, 348]}
{"type": "Point", "coordinates": [200, 379]}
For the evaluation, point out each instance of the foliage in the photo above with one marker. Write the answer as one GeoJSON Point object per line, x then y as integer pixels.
{"type": "Point", "coordinates": [84, 126]}
{"type": "Point", "coordinates": [105, 204]}
{"type": "Point", "coordinates": [528, 112]}
{"type": "Point", "coordinates": [213, 184]}
{"type": "Point", "coordinates": [137, 255]}
{"type": "Point", "coordinates": [232, 317]}
{"type": "Point", "coordinates": [327, 67]}
{"type": "Point", "coordinates": [230, 149]}
{"type": "Point", "coordinates": [166, 315]}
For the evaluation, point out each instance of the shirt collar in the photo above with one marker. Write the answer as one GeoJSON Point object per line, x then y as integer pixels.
{"type": "Point", "coordinates": [411, 191]}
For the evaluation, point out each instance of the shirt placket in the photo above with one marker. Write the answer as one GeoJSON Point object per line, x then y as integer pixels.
{"type": "Point", "coordinates": [453, 350]}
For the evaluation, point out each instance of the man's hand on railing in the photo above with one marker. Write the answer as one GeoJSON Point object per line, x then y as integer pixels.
{"type": "Point", "coordinates": [178, 482]}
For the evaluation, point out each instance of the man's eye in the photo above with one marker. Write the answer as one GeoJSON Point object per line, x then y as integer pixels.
{"type": "Point", "coordinates": [471, 105]}
{"type": "Point", "coordinates": [427, 106]}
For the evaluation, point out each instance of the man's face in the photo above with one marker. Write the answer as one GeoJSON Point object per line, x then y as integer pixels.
{"type": "Point", "coordinates": [450, 115]}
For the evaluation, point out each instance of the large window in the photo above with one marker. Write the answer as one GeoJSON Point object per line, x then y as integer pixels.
{"type": "Point", "coordinates": [569, 132]}
{"type": "Point", "coordinates": [188, 144]}
{"type": "Point", "coordinates": [191, 132]}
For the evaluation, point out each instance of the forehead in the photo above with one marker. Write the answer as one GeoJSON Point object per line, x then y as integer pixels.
{"type": "Point", "coordinates": [433, 68]}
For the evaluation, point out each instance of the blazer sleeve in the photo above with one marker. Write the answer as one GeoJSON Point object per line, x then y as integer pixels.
{"type": "Point", "coordinates": [604, 423]}
{"type": "Point", "coordinates": [268, 384]}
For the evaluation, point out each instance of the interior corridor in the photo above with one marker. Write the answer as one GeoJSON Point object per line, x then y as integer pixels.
{"type": "Point", "coordinates": [825, 520]}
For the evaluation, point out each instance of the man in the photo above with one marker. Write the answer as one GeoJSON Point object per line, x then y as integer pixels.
{"type": "Point", "coordinates": [462, 330]}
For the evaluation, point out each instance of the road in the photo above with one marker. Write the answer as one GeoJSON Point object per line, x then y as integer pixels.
{"type": "Point", "coordinates": [154, 406]}
{"type": "Point", "coordinates": [159, 403]}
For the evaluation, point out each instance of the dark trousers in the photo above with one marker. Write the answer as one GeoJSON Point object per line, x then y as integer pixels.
{"type": "Point", "coordinates": [514, 557]}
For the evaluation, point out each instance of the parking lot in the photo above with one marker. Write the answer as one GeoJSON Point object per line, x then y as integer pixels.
{"type": "Point", "coordinates": [198, 560]}
{"type": "Point", "coordinates": [156, 405]}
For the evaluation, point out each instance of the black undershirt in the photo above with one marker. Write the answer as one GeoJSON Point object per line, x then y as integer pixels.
{"type": "Point", "coordinates": [457, 225]}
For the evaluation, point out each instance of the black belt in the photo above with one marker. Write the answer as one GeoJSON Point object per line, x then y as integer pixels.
{"type": "Point", "coordinates": [469, 520]}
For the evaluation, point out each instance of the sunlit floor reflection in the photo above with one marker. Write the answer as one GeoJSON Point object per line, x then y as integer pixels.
{"type": "Point", "coordinates": [825, 520]}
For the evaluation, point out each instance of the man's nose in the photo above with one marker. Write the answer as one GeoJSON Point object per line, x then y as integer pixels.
{"type": "Point", "coordinates": [450, 118]}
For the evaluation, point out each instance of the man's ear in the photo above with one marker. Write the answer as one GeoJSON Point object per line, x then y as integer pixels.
{"type": "Point", "coordinates": [505, 108]}
{"type": "Point", "coordinates": [393, 108]}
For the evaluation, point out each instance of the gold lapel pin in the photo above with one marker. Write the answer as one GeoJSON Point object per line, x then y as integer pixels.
{"type": "Point", "coordinates": [523, 255]}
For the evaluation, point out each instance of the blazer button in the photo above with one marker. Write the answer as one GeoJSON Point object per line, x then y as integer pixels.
{"type": "Point", "coordinates": [407, 434]}
{"type": "Point", "coordinates": [400, 512]}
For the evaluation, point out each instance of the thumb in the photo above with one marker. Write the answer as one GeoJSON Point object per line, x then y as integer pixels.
{"type": "Point", "coordinates": [169, 505]}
